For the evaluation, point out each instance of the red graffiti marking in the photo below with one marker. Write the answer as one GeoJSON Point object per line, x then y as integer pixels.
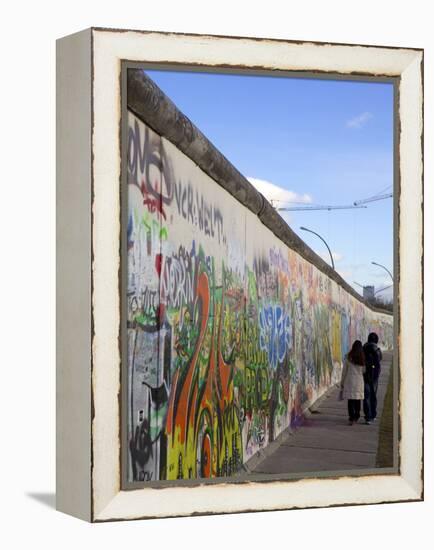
{"type": "Point", "coordinates": [186, 404]}
{"type": "Point", "coordinates": [152, 203]}
{"type": "Point", "coordinates": [189, 404]}
{"type": "Point", "coordinates": [206, 456]}
{"type": "Point", "coordinates": [158, 263]}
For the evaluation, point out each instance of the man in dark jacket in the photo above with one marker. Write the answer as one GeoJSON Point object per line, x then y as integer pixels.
{"type": "Point", "coordinates": [373, 358]}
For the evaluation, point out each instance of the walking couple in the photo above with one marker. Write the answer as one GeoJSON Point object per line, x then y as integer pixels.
{"type": "Point", "coordinates": [360, 379]}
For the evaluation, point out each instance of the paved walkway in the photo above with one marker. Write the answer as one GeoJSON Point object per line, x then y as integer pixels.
{"type": "Point", "coordinates": [325, 441]}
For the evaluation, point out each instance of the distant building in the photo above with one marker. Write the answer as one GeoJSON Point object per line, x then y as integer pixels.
{"type": "Point", "coordinates": [369, 292]}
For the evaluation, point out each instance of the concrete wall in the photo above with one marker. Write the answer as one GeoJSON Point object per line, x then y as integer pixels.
{"type": "Point", "coordinates": [231, 333]}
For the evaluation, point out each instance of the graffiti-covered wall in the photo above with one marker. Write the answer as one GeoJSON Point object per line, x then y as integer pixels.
{"type": "Point", "coordinates": [230, 332]}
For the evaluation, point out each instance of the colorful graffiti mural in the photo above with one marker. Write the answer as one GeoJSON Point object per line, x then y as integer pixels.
{"type": "Point", "coordinates": [230, 332]}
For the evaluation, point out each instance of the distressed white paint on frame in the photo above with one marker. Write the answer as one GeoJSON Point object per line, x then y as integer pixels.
{"type": "Point", "coordinates": [110, 47]}
{"type": "Point", "coordinates": [410, 284]}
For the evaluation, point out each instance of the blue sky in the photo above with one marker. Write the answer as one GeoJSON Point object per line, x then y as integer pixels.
{"type": "Point", "coordinates": [329, 140]}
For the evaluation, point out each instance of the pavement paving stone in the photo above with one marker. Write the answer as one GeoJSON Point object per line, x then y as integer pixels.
{"type": "Point", "coordinates": [325, 442]}
{"type": "Point", "coordinates": [335, 439]}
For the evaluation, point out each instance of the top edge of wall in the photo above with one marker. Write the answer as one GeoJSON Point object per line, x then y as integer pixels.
{"type": "Point", "coordinates": [146, 100]}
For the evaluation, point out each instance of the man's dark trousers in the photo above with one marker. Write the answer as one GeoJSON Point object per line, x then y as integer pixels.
{"type": "Point", "coordinates": [370, 400]}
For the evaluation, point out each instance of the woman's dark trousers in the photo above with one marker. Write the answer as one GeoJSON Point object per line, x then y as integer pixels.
{"type": "Point", "coordinates": [354, 409]}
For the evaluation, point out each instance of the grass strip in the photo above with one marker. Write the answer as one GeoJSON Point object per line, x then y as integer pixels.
{"type": "Point", "coordinates": [385, 440]}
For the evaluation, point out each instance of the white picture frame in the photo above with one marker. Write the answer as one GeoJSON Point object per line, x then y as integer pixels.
{"type": "Point", "coordinates": [88, 271]}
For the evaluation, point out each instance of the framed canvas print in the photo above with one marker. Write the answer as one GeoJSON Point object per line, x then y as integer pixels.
{"type": "Point", "coordinates": [239, 274]}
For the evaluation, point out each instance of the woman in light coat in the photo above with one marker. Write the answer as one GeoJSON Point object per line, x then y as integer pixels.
{"type": "Point", "coordinates": [352, 384]}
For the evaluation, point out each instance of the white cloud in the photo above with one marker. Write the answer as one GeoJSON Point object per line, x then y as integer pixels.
{"type": "Point", "coordinates": [273, 192]}
{"type": "Point", "coordinates": [381, 277]}
{"type": "Point", "coordinates": [346, 274]}
{"type": "Point", "coordinates": [360, 120]}
{"type": "Point", "coordinates": [337, 256]}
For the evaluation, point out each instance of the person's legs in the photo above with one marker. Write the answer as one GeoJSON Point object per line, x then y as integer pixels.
{"type": "Point", "coordinates": [373, 403]}
{"type": "Point", "coordinates": [353, 411]}
{"type": "Point", "coordinates": [367, 402]}
{"type": "Point", "coordinates": [350, 409]}
{"type": "Point", "coordinates": [356, 409]}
